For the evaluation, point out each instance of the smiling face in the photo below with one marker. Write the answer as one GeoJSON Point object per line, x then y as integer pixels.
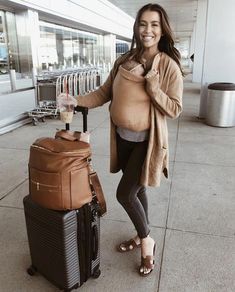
{"type": "Point", "coordinates": [150, 30]}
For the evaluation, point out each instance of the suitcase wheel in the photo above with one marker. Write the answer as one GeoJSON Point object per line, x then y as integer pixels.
{"type": "Point", "coordinates": [31, 271]}
{"type": "Point", "coordinates": [74, 287]}
{"type": "Point", "coordinates": [96, 274]}
{"type": "Point", "coordinates": [35, 121]}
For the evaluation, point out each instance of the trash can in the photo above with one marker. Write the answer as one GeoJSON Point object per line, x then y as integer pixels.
{"type": "Point", "coordinates": [221, 105]}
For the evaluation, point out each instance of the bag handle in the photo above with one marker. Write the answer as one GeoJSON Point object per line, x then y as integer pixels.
{"type": "Point", "coordinates": [68, 135]}
{"type": "Point", "coordinates": [95, 183]}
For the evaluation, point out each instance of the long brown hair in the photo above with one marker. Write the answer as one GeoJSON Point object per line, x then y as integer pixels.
{"type": "Point", "coordinates": [166, 43]}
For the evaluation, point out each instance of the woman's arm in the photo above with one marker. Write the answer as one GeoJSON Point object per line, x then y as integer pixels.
{"type": "Point", "coordinates": [98, 97]}
{"type": "Point", "coordinates": [103, 94]}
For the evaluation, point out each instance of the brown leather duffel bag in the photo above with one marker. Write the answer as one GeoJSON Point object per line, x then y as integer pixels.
{"type": "Point", "coordinates": [60, 174]}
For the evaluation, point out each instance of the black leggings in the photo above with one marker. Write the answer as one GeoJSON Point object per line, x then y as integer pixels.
{"type": "Point", "coordinates": [130, 194]}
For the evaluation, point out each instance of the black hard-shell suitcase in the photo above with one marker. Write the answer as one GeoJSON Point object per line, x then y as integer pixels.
{"type": "Point", "coordinates": [64, 246]}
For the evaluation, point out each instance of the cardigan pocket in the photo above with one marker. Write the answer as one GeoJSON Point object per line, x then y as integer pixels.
{"type": "Point", "coordinates": [164, 161]}
{"type": "Point", "coordinates": [161, 166]}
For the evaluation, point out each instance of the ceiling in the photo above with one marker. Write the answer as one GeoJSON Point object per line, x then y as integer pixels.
{"type": "Point", "coordinates": [182, 13]}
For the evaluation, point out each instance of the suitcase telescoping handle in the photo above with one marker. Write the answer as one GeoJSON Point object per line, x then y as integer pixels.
{"type": "Point", "coordinates": [95, 243]}
{"type": "Point", "coordinates": [84, 111]}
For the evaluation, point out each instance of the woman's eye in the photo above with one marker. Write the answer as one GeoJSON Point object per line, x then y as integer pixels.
{"type": "Point", "coordinates": [153, 25]}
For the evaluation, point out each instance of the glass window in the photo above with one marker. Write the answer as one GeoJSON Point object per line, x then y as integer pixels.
{"type": "Point", "coordinates": [48, 54]}
{"type": "Point", "coordinates": [100, 50]}
{"type": "Point", "coordinates": [12, 42]}
{"type": "Point", "coordinates": [3, 46]}
{"type": "Point", "coordinates": [64, 47]}
{"type": "Point", "coordinates": [121, 47]}
{"type": "Point", "coordinates": [59, 48]}
{"type": "Point", "coordinates": [75, 49]}
{"type": "Point", "coordinates": [9, 55]}
{"type": "Point", "coordinates": [68, 48]}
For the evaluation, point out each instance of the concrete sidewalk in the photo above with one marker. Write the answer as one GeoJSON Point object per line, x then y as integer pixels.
{"type": "Point", "coordinates": [192, 214]}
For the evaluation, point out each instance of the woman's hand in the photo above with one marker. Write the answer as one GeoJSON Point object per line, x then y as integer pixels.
{"type": "Point", "coordinates": [152, 82]}
{"type": "Point", "coordinates": [66, 102]}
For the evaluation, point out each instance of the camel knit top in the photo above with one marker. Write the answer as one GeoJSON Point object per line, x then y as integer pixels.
{"type": "Point", "coordinates": [130, 107]}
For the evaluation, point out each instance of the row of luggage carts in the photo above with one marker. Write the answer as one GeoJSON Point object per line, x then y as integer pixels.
{"type": "Point", "coordinates": [50, 84]}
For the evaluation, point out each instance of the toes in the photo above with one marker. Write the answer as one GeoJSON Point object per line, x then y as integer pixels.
{"type": "Point", "coordinates": [145, 271]}
{"type": "Point", "coordinates": [125, 248]}
{"type": "Point", "coordinates": [122, 247]}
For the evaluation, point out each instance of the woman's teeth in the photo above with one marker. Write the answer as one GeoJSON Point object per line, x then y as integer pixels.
{"type": "Point", "coordinates": [147, 38]}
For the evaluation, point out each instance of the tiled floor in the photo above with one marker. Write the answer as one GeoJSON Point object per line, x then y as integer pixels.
{"type": "Point", "coordinates": [192, 214]}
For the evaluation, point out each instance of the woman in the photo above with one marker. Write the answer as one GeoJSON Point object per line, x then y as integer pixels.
{"type": "Point", "coordinates": [144, 87]}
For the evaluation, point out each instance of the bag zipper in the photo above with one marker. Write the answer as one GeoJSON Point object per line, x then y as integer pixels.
{"type": "Point", "coordinates": [64, 152]}
{"type": "Point", "coordinates": [38, 184]}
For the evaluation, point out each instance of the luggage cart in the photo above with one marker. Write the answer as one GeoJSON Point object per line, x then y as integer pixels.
{"type": "Point", "coordinates": [51, 84]}
{"type": "Point", "coordinates": [45, 96]}
{"type": "Point", "coordinates": [40, 113]}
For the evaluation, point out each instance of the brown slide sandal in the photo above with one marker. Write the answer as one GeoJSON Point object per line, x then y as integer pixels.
{"type": "Point", "coordinates": [147, 262]}
{"type": "Point", "coordinates": [128, 246]}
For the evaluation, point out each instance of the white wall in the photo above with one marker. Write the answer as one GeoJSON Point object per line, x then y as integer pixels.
{"type": "Point", "coordinates": [100, 14]}
{"type": "Point", "coordinates": [192, 41]}
{"type": "Point", "coordinates": [219, 59]}
{"type": "Point", "coordinates": [219, 55]}
{"type": "Point", "coordinates": [199, 40]}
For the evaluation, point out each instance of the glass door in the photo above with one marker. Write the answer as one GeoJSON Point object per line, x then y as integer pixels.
{"type": "Point", "coordinates": [3, 46]}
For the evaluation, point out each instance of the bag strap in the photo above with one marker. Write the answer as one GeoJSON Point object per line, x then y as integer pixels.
{"type": "Point", "coordinates": [95, 183]}
{"type": "Point", "coordinates": [68, 135]}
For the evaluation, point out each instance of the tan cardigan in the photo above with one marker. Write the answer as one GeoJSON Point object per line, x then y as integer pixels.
{"type": "Point", "coordinates": [166, 103]}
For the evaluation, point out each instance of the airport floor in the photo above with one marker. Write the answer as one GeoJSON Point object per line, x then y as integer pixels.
{"type": "Point", "coordinates": [192, 214]}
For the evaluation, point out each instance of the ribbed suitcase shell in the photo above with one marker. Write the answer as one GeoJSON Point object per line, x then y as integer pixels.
{"type": "Point", "coordinates": [64, 246]}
